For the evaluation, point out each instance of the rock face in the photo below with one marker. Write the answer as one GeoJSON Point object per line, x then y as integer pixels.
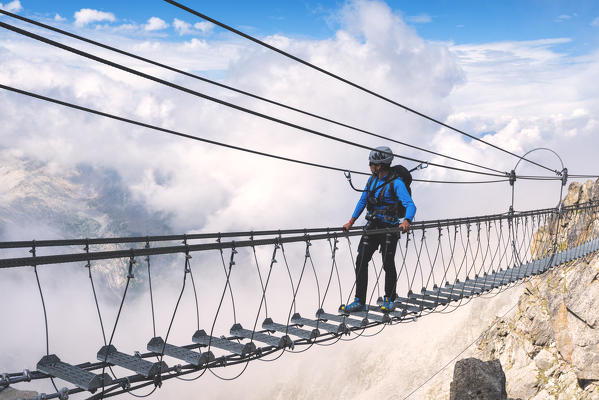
{"type": "Point", "coordinates": [550, 348]}
{"type": "Point", "coordinates": [474, 379]}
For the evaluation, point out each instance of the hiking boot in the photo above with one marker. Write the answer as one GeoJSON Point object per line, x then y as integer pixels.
{"type": "Point", "coordinates": [388, 305]}
{"type": "Point", "coordinates": [357, 305]}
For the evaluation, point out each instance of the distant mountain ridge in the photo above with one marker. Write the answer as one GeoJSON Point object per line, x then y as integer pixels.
{"type": "Point", "coordinates": [39, 201]}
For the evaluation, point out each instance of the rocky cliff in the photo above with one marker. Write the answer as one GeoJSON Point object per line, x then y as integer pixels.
{"type": "Point", "coordinates": [549, 348]}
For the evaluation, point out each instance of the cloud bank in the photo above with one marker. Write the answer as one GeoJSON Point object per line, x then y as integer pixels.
{"type": "Point", "coordinates": [87, 16]}
{"type": "Point", "coordinates": [14, 6]}
{"type": "Point", "coordinates": [155, 24]}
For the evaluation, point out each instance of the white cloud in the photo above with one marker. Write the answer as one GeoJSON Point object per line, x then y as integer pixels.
{"type": "Point", "coordinates": [59, 18]}
{"type": "Point", "coordinates": [155, 24]}
{"type": "Point", "coordinates": [182, 27]}
{"type": "Point", "coordinates": [563, 17]}
{"type": "Point", "coordinates": [87, 15]}
{"type": "Point", "coordinates": [595, 22]}
{"type": "Point", "coordinates": [14, 6]}
{"type": "Point", "coordinates": [529, 95]}
{"type": "Point", "coordinates": [419, 19]}
{"type": "Point", "coordinates": [204, 26]}
{"type": "Point", "coordinates": [199, 28]}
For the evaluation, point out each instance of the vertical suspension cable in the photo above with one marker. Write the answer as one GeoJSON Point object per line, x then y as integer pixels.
{"type": "Point", "coordinates": [404, 257]}
{"type": "Point", "coordinates": [288, 273]}
{"type": "Point", "coordinates": [129, 277]}
{"type": "Point", "coordinates": [273, 261]}
{"type": "Point", "coordinates": [354, 262]}
{"type": "Point", "coordinates": [222, 297]}
{"type": "Point", "coordinates": [432, 262]}
{"type": "Point", "coordinates": [91, 279]}
{"type": "Point", "coordinates": [147, 258]}
{"type": "Point", "coordinates": [229, 284]}
{"type": "Point", "coordinates": [39, 286]}
{"type": "Point", "coordinates": [259, 275]}
{"type": "Point", "coordinates": [333, 247]}
{"type": "Point", "coordinates": [308, 244]}
{"type": "Point", "coordinates": [195, 292]}
{"type": "Point", "coordinates": [186, 270]}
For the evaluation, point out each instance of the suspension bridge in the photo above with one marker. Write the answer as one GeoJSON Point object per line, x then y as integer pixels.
{"type": "Point", "coordinates": [442, 264]}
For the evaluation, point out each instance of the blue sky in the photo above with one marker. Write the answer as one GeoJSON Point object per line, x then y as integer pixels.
{"type": "Point", "coordinates": [441, 20]}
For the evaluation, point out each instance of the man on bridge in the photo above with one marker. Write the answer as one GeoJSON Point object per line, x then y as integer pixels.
{"type": "Point", "coordinates": [387, 200]}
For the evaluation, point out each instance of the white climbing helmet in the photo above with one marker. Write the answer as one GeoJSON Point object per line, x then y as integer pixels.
{"type": "Point", "coordinates": [381, 155]}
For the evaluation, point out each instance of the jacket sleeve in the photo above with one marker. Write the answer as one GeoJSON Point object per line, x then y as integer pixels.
{"type": "Point", "coordinates": [362, 202]}
{"type": "Point", "coordinates": [404, 196]}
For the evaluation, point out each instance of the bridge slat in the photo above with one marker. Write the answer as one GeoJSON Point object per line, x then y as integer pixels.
{"type": "Point", "coordinates": [483, 286]}
{"type": "Point", "coordinates": [295, 331]}
{"type": "Point", "coordinates": [132, 363]}
{"type": "Point", "coordinates": [407, 308]}
{"type": "Point", "coordinates": [200, 337]}
{"type": "Point", "coordinates": [52, 365]}
{"type": "Point", "coordinates": [336, 329]}
{"type": "Point", "coordinates": [432, 295]}
{"type": "Point", "coordinates": [460, 290]}
{"type": "Point", "coordinates": [419, 302]}
{"type": "Point", "coordinates": [278, 342]}
{"type": "Point", "coordinates": [157, 344]}
{"type": "Point", "coordinates": [320, 314]}
{"type": "Point", "coordinates": [371, 314]}
{"type": "Point", "coordinates": [435, 300]}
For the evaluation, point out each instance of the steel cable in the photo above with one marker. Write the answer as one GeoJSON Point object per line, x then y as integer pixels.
{"type": "Point", "coordinates": [346, 81]}
{"type": "Point", "coordinates": [223, 102]}
{"type": "Point", "coordinates": [203, 79]}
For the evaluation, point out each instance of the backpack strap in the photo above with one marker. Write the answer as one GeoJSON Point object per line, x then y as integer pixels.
{"type": "Point", "coordinates": [370, 184]}
{"type": "Point", "coordinates": [401, 210]}
{"type": "Point", "coordinates": [383, 187]}
{"type": "Point", "coordinates": [392, 189]}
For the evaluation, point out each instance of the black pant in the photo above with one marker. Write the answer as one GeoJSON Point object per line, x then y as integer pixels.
{"type": "Point", "coordinates": [368, 245]}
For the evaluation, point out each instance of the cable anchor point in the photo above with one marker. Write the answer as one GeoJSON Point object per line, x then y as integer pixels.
{"type": "Point", "coordinates": [131, 262]}
{"type": "Point", "coordinates": [348, 177]}
{"type": "Point", "coordinates": [126, 384]}
{"type": "Point", "coordinates": [147, 246]}
{"type": "Point", "coordinates": [421, 166]}
{"type": "Point", "coordinates": [63, 394]}
{"type": "Point", "coordinates": [564, 174]}
{"type": "Point", "coordinates": [512, 176]}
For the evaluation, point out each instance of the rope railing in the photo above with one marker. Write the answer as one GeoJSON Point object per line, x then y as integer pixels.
{"type": "Point", "coordinates": [441, 265]}
{"type": "Point", "coordinates": [311, 233]}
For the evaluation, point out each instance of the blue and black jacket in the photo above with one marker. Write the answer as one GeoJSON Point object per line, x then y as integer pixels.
{"type": "Point", "coordinates": [382, 202]}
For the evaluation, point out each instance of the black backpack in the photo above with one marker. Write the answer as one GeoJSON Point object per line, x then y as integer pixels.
{"type": "Point", "coordinates": [397, 171]}
{"type": "Point", "coordinates": [405, 175]}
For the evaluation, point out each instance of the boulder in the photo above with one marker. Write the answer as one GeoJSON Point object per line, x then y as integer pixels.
{"type": "Point", "coordinates": [474, 379]}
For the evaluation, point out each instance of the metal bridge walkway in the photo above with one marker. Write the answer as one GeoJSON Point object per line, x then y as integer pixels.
{"type": "Point", "coordinates": [481, 255]}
